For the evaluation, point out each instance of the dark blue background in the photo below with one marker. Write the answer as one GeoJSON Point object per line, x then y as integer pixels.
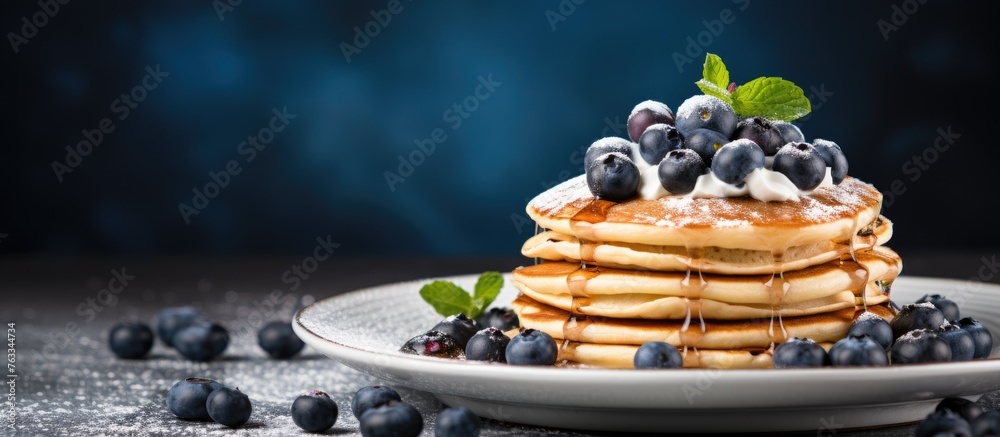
{"type": "Point", "coordinates": [562, 86]}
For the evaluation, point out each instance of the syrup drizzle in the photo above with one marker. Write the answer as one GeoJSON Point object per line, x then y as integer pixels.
{"type": "Point", "coordinates": [576, 282]}
{"type": "Point", "coordinates": [777, 287]}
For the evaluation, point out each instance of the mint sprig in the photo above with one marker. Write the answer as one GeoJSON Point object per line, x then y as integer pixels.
{"type": "Point", "coordinates": [770, 97]}
{"type": "Point", "coordinates": [449, 299]}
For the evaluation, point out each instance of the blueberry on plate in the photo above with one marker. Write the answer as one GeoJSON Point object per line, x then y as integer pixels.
{"type": "Point", "coordinates": [459, 327]}
{"type": "Point", "coordinates": [980, 335]}
{"type": "Point", "coordinates": [679, 171]}
{"type": "Point", "coordinates": [130, 340]}
{"type": "Point", "coordinates": [858, 350]}
{"type": "Point", "coordinates": [172, 319]}
{"type": "Point", "coordinates": [503, 319]}
{"type": "Point", "coordinates": [657, 141]}
{"type": "Point", "coordinates": [392, 419]}
{"type": "Point", "coordinates": [801, 164]}
{"type": "Point", "coordinates": [433, 344]}
{"type": "Point", "coordinates": [760, 131]}
{"type": "Point", "coordinates": [875, 327]}
{"type": "Point", "coordinates": [532, 347]}
{"type": "Point", "coordinates": [604, 146]}
{"type": "Point", "coordinates": [201, 341]}
{"type": "Point", "coordinates": [229, 406]}
{"type": "Point", "coordinates": [371, 397]}
{"type": "Point", "coordinates": [457, 422]}
{"type": "Point", "coordinates": [833, 157]}
{"type": "Point", "coordinates": [186, 398]}
{"type": "Point", "coordinates": [490, 344]}
{"type": "Point", "coordinates": [919, 346]}
{"type": "Point", "coordinates": [943, 423]}
{"type": "Point", "coordinates": [965, 408]}
{"type": "Point", "coordinates": [987, 424]}
{"type": "Point", "coordinates": [735, 160]}
{"type": "Point", "coordinates": [314, 411]}
{"type": "Point", "coordinates": [799, 352]}
{"type": "Point", "coordinates": [706, 112]}
{"type": "Point", "coordinates": [279, 340]}
{"type": "Point", "coordinates": [948, 308]}
{"type": "Point", "coordinates": [916, 316]}
{"type": "Point", "coordinates": [790, 133]}
{"type": "Point", "coordinates": [705, 142]}
{"type": "Point", "coordinates": [613, 177]}
{"type": "Point", "coordinates": [657, 355]}
{"type": "Point", "coordinates": [963, 348]}
{"type": "Point", "coordinates": [646, 114]}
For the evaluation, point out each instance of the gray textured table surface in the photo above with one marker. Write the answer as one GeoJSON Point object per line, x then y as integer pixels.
{"type": "Point", "coordinates": [68, 383]}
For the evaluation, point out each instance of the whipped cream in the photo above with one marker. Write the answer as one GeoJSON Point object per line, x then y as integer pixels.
{"type": "Point", "coordinates": [761, 184]}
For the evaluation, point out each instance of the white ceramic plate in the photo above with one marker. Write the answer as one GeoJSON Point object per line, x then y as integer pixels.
{"type": "Point", "coordinates": [364, 329]}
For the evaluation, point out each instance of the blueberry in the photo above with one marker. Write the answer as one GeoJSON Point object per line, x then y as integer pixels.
{"type": "Point", "coordinates": [916, 316]}
{"type": "Point", "coordinates": [433, 344]}
{"type": "Point", "coordinates": [980, 335]}
{"type": "Point", "coordinates": [959, 340]}
{"type": "Point", "coordinates": [657, 355]}
{"type": "Point", "coordinates": [679, 171]}
{"type": "Point", "coordinates": [606, 145]}
{"type": "Point", "coordinates": [762, 132]}
{"type": "Point", "coordinates": [790, 133]}
{"type": "Point", "coordinates": [948, 308]}
{"type": "Point", "coordinates": [130, 340]}
{"type": "Point", "coordinates": [457, 422]}
{"type": "Point", "coordinates": [613, 176]}
{"type": "Point", "coordinates": [919, 346]}
{"type": "Point", "coordinates": [459, 327]}
{"type": "Point", "coordinates": [706, 112]}
{"type": "Point", "coordinates": [657, 141]}
{"type": "Point", "coordinates": [987, 424]}
{"type": "Point", "coordinates": [314, 411]}
{"type": "Point", "coordinates": [873, 326]}
{"type": "Point", "coordinates": [833, 157]}
{"type": "Point", "coordinates": [503, 319]}
{"type": "Point", "coordinates": [487, 345]}
{"type": "Point", "coordinates": [858, 350]}
{"type": "Point", "coordinates": [279, 340]}
{"type": "Point", "coordinates": [186, 398]}
{"type": "Point", "coordinates": [801, 163]}
{"type": "Point", "coordinates": [965, 408]}
{"type": "Point", "coordinates": [371, 397]}
{"type": "Point", "coordinates": [646, 114]}
{"type": "Point", "coordinates": [229, 406]}
{"type": "Point", "coordinates": [393, 419]}
{"type": "Point", "coordinates": [202, 341]}
{"type": "Point", "coordinates": [532, 347]}
{"type": "Point", "coordinates": [799, 352]}
{"type": "Point", "coordinates": [706, 142]}
{"type": "Point", "coordinates": [943, 423]}
{"type": "Point", "coordinates": [173, 319]}
{"type": "Point", "coordinates": [735, 160]}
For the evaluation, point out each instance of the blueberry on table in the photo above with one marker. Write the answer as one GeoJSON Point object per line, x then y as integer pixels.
{"type": "Point", "coordinates": [760, 131]}
{"type": "Point", "coordinates": [229, 406]}
{"type": "Point", "coordinates": [705, 142]}
{"type": "Point", "coordinates": [980, 336]}
{"type": "Point", "coordinates": [873, 326]}
{"type": "Point", "coordinates": [735, 160]}
{"type": "Point", "coordinates": [371, 397]}
{"type": "Point", "coordinates": [963, 347]}
{"type": "Point", "coordinates": [279, 340]}
{"type": "Point", "coordinates": [433, 344]}
{"type": "Point", "coordinates": [987, 424]}
{"type": "Point", "coordinates": [916, 316]}
{"type": "Point", "coordinates": [919, 346]}
{"type": "Point", "coordinates": [457, 422]}
{"type": "Point", "coordinates": [173, 319]}
{"type": "Point", "coordinates": [833, 157]}
{"type": "Point", "coordinates": [801, 164]}
{"type": "Point", "coordinates": [201, 341]}
{"type": "Point", "coordinates": [392, 419]}
{"type": "Point", "coordinates": [963, 407]}
{"type": "Point", "coordinates": [706, 112]}
{"type": "Point", "coordinates": [799, 352]}
{"type": "Point", "coordinates": [130, 340]}
{"type": "Point", "coordinates": [186, 398]}
{"type": "Point", "coordinates": [314, 411]}
{"type": "Point", "coordinates": [489, 344]}
{"type": "Point", "coordinates": [943, 423]}
{"type": "Point", "coordinates": [613, 177]}
{"type": "Point", "coordinates": [532, 347]}
{"type": "Point", "coordinates": [679, 171]}
{"type": "Point", "coordinates": [657, 141]}
{"type": "Point", "coordinates": [657, 355]}
{"type": "Point", "coordinates": [646, 114]}
{"type": "Point", "coordinates": [503, 319]}
{"type": "Point", "coordinates": [790, 133]}
{"type": "Point", "coordinates": [948, 308]}
{"type": "Point", "coordinates": [858, 350]}
{"type": "Point", "coordinates": [459, 327]}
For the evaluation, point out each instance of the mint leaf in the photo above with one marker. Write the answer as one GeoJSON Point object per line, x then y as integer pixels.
{"type": "Point", "coordinates": [447, 298]}
{"type": "Point", "coordinates": [770, 97]}
{"type": "Point", "coordinates": [711, 89]}
{"type": "Point", "coordinates": [487, 289]}
{"type": "Point", "coordinates": [715, 72]}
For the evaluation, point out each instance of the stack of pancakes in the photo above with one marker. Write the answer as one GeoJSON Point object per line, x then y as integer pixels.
{"type": "Point", "coordinates": [723, 279]}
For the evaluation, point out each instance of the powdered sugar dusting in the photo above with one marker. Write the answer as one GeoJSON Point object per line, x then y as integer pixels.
{"type": "Point", "coordinates": [866, 316]}
{"type": "Point", "coordinates": [559, 196]}
{"type": "Point", "coordinates": [714, 104]}
{"type": "Point", "coordinates": [651, 105]}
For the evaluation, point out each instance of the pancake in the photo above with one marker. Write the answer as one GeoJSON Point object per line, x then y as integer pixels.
{"type": "Point", "coordinates": [616, 356]}
{"type": "Point", "coordinates": [707, 334]}
{"type": "Point", "coordinates": [815, 282]}
{"type": "Point", "coordinates": [833, 213]}
{"type": "Point", "coordinates": [551, 245]}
